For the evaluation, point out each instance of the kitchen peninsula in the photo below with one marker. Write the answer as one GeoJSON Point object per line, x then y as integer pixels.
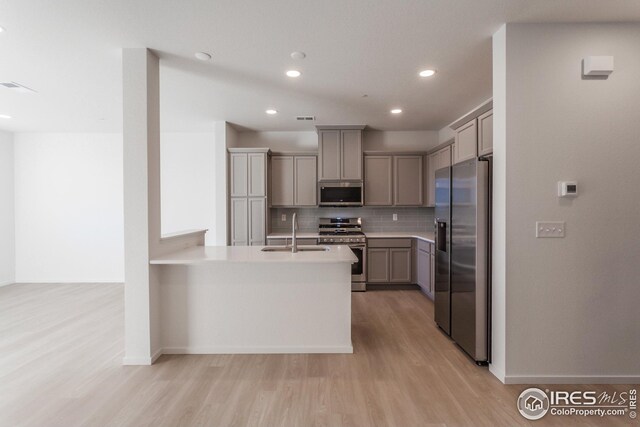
{"type": "Point", "coordinates": [217, 299]}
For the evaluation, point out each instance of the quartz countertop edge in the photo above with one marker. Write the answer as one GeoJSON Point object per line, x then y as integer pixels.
{"type": "Point", "coordinates": [253, 254]}
{"type": "Point", "coordinates": [421, 235]}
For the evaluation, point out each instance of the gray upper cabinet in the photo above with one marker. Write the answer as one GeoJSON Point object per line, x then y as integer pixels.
{"type": "Point", "coordinates": [485, 133]}
{"type": "Point", "coordinates": [408, 181]}
{"type": "Point", "coordinates": [435, 161]}
{"type": "Point", "coordinates": [351, 155]}
{"type": "Point", "coordinates": [248, 196]}
{"type": "Point", "coordinates": [294, 180]}
{"type": "Point", "coordinates": [394, 180]}
{"type": "Point", "coordinates": [340, 153]}
{"type": "Point", "coordinates": [239, 174]}
{"type": "Point", "coordinates": [466, 145]}
{"type": "Point", "coordinates": [330, 154]}
{"type": "Point", "coordinates": [305, 181]}
{"type": "Point", "coordinates": [257, 181]}
{"type": "Point", "coordinates": [282, 177]}
{"type": "Point", "coordinates": [378, 180]}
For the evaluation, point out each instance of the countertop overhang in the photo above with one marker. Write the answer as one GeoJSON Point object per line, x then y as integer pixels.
{"type": "Point", "coordinates": [253, 254]}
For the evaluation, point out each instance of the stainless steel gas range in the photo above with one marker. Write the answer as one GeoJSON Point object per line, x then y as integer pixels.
{"type": "Point", "coordinates": [347, 231]}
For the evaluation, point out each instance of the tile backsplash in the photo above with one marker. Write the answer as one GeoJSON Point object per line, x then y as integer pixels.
{"type": "Point", "coordinates": [373, 219]}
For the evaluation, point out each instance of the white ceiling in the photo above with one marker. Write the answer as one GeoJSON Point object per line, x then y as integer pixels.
{"type": "Point", "coordinates": [69, 51]}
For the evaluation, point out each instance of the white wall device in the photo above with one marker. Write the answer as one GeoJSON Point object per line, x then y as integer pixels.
{"type": "Point", "coordinates": [597, 65]}
{"type": "Point", "coordinates": [567, 189]}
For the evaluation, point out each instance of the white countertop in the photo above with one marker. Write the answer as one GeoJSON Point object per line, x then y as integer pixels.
{"type": "Point", "coordinates": [252, 254]}
{"type": "Point", "coordinates": [421, 235]}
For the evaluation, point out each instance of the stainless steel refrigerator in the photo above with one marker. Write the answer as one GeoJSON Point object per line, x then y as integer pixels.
{"type": "Point", "coordinates": [463, 247]}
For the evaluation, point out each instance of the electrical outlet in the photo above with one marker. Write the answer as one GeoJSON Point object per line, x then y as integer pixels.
{"type": "Point", "coordinates": [550, 229]}
{"type": "Point", "coordinates": [395, 217]}
{"type": "Point", "coordinates": [283, 218]}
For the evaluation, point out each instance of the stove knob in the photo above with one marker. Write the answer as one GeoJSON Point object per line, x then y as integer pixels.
{"type": "Point", "coordinates": [331, 240]}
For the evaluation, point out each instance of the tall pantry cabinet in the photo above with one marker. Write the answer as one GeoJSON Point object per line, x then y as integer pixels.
{"type": "Point", "coordinates": [247, 196]}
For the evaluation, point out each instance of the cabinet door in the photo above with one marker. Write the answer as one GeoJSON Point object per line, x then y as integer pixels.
{"type": "Point", "coordinates": [485, 133]}
{"type": "Point", "coordinates": [423, 270]}
{"type": "Point", "coordinates": [466, 147]}
{"type": "Point", "coordinates": [239, 174]}
{"type": "Point", "coordinates": [257, 221]}
{"type": "Point", "coordinates": [378, 265]}
{"type": "Point", "coordinates": [400, 262]}
{"type": "Point", "coordinates": [282, 185]}
{"type": "Point", "coordinates": [351, 154]}
{"type": "Point", "coordinates": [239, 226]}
{"type": "Point", "coordinates": [407, 171]}
{"type": "Point", "coordinates": [329, 152]}
{"type": "Point", "coordinates": [305, 181]}
{"type": "Point", "coordinates": [257, 181]}
{"type": "Point", "coordinates": [432, 281]}
{"type": "Point", "coordinates": [432, 166]}
{"type": "Point", "coordinates": [378, 180]}
{"type": "Point", "coordinates": [444, 157]}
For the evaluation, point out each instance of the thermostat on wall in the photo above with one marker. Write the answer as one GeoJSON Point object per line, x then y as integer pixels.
{"type": "Point", "coordinates": [567, 189]}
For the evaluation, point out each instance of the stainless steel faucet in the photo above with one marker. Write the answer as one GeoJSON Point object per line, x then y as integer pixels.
{"type": "Point", "coordinates": [294, 242]}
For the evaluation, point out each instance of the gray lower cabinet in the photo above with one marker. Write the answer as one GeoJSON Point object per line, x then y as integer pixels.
{"type": "Point", "coordinates": [389, 261]}
{"type": "Point", "coordinates": [248, 221]}
{"type": "Point", "coordinates": [294, 181]}
{"type": "Point", "coordinates": [424, 268]}
{"type": "Point", "coordinates": [378, 265]}
{"type": "Point", "coordinates": [394, 180]}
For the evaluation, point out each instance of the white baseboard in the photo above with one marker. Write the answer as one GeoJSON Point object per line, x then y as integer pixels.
{"type": "Point", "coordinates": [6, 283]}
{"type": "Point", "coordinates": [145, 361]}
{"type": "Point", "coordinates": [571, 379]}
{"type": "Point", "coordinates": [257, 350]}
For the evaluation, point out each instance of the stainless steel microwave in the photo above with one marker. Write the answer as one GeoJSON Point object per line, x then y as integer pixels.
{"type": "Point", "coordinates": [340, 193]}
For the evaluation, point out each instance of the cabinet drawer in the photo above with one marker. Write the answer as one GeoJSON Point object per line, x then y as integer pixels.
{"type": "Point", "coordinates": [389, 243]}
{"type": "Point", "coordinates": [276, 242]}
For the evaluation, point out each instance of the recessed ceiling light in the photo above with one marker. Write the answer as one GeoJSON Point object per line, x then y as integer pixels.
{"type": "Point", "coordinates": [271, 112]}
{"type": "Point", "coordinates": [396, 111]}
{"type": "Point", "coordinates": [293, 73]}
{"type": "Point", "coordinates": [427, 73]}
{"type": "Point", "coordinates": [298, 55]}
{"type": "Point", "coordinates": [4, 116]}
{"type": "Point", "coordinates": [203, 56]}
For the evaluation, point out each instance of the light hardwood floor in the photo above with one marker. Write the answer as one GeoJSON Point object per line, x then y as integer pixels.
{"type": "Point", "coordinates": [60, 365]}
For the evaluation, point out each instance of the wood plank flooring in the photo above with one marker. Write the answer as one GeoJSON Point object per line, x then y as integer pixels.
{"type": "Point", "coordinates": [60, 365]}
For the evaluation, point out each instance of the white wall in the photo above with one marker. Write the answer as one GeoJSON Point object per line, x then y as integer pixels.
{"type": "Point", "coordinates": [308, 140]}
{"type": "Point", "coordinates": [7, 210]}
{"type": "Point", "coordinates": [188, 182]}
{"type": "Point", "coordinates": [69, 218]}
{"type": "Point", "coordinates": [571, 304]}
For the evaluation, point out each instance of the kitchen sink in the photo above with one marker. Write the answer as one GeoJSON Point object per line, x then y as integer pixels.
{"type": "Point", "coordinates": [300, 248]}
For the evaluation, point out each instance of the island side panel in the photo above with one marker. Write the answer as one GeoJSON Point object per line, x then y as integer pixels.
{"type": "Point", "coordinates": [226, 308]}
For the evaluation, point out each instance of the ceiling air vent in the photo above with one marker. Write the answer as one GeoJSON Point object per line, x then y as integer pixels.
{"type": "Point", "coordinates": [17, 87]}
{"type": "Point", "coordinates": [306, 118]}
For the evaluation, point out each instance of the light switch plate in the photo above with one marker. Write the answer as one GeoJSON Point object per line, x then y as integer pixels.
{"type": "Point", "coordinates": [552, 229]}
{"type": "Point", "coordinates": [395, 217]}
{"type": "Point", "coordinates": [283, 217]}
